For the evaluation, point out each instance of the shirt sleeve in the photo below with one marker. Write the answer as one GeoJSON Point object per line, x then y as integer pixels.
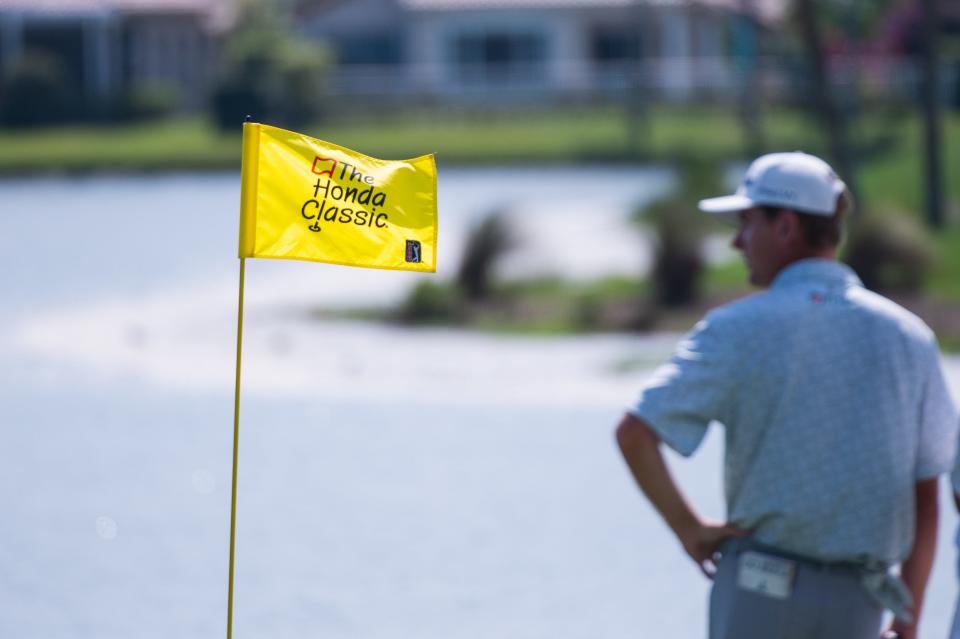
{"type": "Point", "coordinates": [695, 387]}
{"type": "Point", "coordinates": [938, 425]}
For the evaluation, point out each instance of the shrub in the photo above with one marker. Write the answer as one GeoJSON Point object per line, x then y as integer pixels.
{"type": "Point", "coordinates": [430, 302]}
{"type": "Point", "coordinates": [302, 67]}
{"type": "Point", "coordinates": [678, 262]}
{"type": "Point", "coordinates": [890, 253]}
{"type": "Point", "coordinates": [148, 101]}
{"type": "Point", "coordinates": [679, 231]}
{"type": "Point", "coordinates": [487, 243]}
{"type": "Point", "coordinates": [233, 100]}
{"type": "Point", "coordinates": [35, 93]}
{"type": "Point", "coordinates": [269, 73]}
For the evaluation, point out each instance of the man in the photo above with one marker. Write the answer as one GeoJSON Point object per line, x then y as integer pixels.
{"type": "Point", "coordinates": [837, 423]}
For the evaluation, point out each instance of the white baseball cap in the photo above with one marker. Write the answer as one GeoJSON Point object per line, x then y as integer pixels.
{"type": "Point", "coordinates": [796, 181]}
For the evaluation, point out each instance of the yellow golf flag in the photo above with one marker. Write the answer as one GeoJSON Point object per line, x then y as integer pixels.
{"type": "Point", "coordinates": [306, 199]}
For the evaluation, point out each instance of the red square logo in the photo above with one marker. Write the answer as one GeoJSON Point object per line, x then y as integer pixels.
{"type": "Point", "coordinates": [323, 166]}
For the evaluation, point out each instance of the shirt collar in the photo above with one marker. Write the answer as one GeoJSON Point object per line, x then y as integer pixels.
{"type": "Point", "coordinates": [816, 271]}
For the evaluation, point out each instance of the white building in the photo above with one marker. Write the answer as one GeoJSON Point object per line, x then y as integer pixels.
{"type": "Point", "coordinates": [107, 46]}
{"type": "Point", "coordinates": [505, 49]}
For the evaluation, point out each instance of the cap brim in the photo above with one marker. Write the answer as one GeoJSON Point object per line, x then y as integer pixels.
{"type": "Point", "coordinates": [727, 207]}
{"type": "Point", "coordinates": [726, 204]}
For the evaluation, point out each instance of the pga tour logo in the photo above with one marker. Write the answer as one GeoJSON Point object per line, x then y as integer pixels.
{"type": "Point", "coordinates": [413, 251]}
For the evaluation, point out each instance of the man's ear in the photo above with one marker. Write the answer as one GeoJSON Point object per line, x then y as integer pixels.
{"type": "Point", "coordinates": [788, 226]}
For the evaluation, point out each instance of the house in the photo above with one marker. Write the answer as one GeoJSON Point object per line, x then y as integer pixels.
{"type": "Point", "coordinates": [509, 49]}
{"type": "Point", "coordinates": [109, 46]}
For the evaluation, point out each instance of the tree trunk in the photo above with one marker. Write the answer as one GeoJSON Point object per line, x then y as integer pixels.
{"type": "Point", "coordinates": [635, 100]}
{"type": "Point", "coordinates": [751, 92]}
{"type": "Point", "coordinates": [931, 115]}
{"type": "Point", "coordinates": [829, 115]}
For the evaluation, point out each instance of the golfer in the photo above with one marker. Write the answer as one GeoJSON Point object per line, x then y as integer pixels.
{"type": "Point", "coordinates": [837, 423]}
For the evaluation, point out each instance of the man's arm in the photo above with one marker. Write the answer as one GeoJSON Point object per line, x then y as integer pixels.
{"type": "Point", "coordinates": [640, 446]}
{"type": "Point", "coordinates": [916, 568]}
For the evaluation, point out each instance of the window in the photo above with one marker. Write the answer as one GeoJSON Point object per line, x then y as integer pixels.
{"type": "Point", "coordinates": [500, 57]}
{"type": "Point", "coordinates": [612, 44]}
{"type": "Point", "coordinates": [369, 48]}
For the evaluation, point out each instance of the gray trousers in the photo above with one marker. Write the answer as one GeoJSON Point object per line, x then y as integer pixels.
{"type": "Point", "coordinates": [826, 603]}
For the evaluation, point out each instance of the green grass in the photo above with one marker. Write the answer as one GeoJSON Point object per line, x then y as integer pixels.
{"type": "Point", "coordinates": [893, 178]}
{"type": "Point", "coordinates": [944, 282]}
{"type": "Point", "coordinates": [564, 135]}
{"type": "Point", "coordinates": [167, 145]}
{"type": "Point", "coordinates": [522, 137]}
{"type": "Point", "coordinates": [727, 278]}
{"type": "Point", "coordinates": [581, 134]}
{"type": "Point", "coordinates": [890, 160]}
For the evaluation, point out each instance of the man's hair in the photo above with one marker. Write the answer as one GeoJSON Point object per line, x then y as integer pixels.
{"type": "Point", "coordinates": [819, 231]}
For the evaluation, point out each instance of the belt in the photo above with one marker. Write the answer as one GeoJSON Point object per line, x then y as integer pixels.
{"type": "Point", "coordinates": [885, 588]}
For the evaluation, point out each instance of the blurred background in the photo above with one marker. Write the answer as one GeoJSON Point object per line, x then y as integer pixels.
{"type": "Point", "coordinates": [420, 456]}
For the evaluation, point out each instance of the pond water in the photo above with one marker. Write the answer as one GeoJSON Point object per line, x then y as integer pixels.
{"type": "Point", "coordinates": [393, 483]}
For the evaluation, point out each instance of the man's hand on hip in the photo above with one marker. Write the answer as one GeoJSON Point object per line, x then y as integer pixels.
{"type": "Point", "coordinates": [702, 543]}
{"type": "Point", "coordinates": [701, 539]}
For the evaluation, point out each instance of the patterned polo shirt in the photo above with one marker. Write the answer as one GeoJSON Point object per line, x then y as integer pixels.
{"type": "Point", "coordinates": [833, 403]}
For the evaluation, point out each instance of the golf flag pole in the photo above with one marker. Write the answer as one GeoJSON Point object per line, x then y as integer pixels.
{"type": "Point", "coordinates": [236, 448]}
{"type": "Point", "coordinates": [306, 199]}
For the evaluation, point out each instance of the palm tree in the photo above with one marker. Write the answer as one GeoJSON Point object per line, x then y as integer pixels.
{"type": "Point", "coordinates": [931, 112]}
{"type": "Point", "coordinates": [750, 87]}
{"type": "Point", "coordinates": [831, 118]}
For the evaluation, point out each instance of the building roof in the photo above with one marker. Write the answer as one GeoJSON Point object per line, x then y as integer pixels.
{"type": "Point", "coordinates": [216, 13]}
{"type": "Point", "coordinates": [765, 10]}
